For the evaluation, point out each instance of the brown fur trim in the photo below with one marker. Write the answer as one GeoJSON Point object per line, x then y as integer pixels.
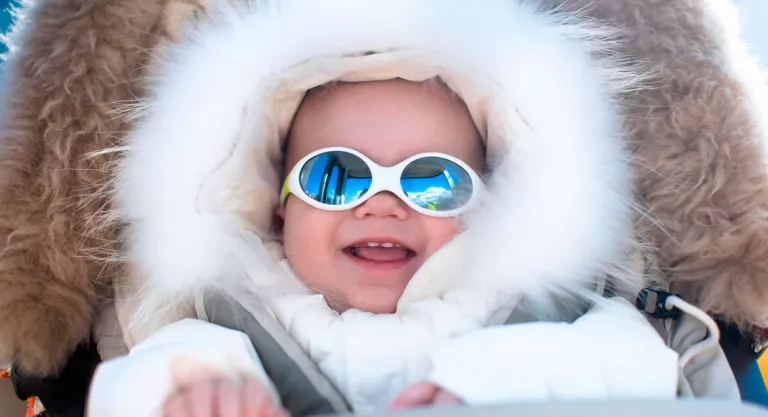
{"type": "Point", "coordinates": [700, 158]}
{"type": "Point", "coordinates": [64, 83]}
{"type": "Point", "coordinates": [701, 170]}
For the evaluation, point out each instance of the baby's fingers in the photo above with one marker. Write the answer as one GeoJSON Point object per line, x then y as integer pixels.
{"type": "Point", "coordinates": [258, 401]}
{"type": "Point", "coordinates": [418, 394]}
{"type": "Point", "coordinates": [196, 401]}
{"type": "Point", "coordinates": [230, 399]}
{"type": "Point", "coordinates": [444, 397]}
{"type": "Point", "coordinates": [200, 399]}
{"type": "Point", "coordinates": [176, 407]}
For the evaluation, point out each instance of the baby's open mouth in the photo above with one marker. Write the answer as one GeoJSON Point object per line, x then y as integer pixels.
{"type": "Point", "coordinates": [380, 251]}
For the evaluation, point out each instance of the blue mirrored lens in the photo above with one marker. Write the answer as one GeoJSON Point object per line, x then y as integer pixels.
{"type": "Point", "coordinates": [436, 184]}
{"type": "Point", "coordinates": [335, 178]}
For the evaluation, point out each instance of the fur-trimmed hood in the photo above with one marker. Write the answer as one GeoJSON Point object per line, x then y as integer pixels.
{"type": "Point", "coordinates": [201, 170]}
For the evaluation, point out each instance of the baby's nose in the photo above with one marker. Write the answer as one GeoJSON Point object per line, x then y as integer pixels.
{"type": "Point", "coordinates": [383, 204]}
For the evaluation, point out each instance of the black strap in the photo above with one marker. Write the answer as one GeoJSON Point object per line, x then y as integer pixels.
{"type": "Point", "coordinates": [654, 303]}
{"type": "Point", "coordinates": [62, 395]}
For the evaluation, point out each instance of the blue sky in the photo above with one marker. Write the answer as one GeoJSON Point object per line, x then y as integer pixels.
{"type": "Point", "coordinates": [5, 18]}
{"type": "Point", "coordinates": [754, 26]}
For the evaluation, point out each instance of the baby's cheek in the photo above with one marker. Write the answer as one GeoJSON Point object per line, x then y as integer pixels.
{"type": "Point", "coordinates": [307, 236]}
{"type": "Point", "coordinates": [439, 231]}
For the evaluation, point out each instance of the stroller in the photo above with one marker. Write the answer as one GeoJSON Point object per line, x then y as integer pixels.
{"type": "Point", "coordinates": [696, 133]}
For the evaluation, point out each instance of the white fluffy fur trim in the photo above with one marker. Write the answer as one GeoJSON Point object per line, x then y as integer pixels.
{"type": "Point", "coordinates": [200, 167]}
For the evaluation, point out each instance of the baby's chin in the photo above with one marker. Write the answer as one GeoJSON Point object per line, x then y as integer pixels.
{"type": "Point", "coordinates": [377, 300]}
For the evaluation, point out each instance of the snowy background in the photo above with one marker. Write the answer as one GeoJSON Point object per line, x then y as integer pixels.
{"type": "Point", "coordinates": [754, 26]}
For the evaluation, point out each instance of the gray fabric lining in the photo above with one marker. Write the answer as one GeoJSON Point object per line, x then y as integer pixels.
{"type": "Point", "coordinates": [303, 389]}
{"type": "Point", "coordinates": [568, 310]}
{"type": "Point", "coordinates": [616, 408]}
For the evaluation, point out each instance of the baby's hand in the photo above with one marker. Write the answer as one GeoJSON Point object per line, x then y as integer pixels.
{"type": "Point", "coordinates": [223, 399]}
{"type": "Point", "coordinates": [423, 394]}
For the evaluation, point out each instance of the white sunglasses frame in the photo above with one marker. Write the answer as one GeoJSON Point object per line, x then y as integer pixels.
{"type": "Point", "coordinates": [382, 179]}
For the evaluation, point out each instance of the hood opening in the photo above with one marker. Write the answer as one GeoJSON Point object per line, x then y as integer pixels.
{"type": "Point", "coordinates": [200, 181]}
{"type": "Point", "coordinates": [285, 93]}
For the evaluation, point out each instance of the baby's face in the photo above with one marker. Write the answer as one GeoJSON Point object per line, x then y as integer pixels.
{"type": "Point", "coordinates": [388, 122]}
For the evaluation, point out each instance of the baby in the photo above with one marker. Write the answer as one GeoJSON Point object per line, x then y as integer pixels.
{"type": "Point", "coordinates": [404, 256]}
{"type": "Point", "coordinates": [362, 257]}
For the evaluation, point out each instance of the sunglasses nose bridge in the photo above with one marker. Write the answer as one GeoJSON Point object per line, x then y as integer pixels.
{"type": "Point", "coordinates": [390, 179]}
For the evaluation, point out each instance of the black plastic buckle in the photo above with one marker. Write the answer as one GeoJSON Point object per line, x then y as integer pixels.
{"type": "Point", "coordinates": [654, 303]}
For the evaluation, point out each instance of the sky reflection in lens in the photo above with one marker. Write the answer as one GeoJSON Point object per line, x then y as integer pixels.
{"type": "Point", "coordinates": [436, 184]}
{"type": "Point", "coordinates": [339, 177]}
{"type": "Point", "coordinates": [335, 178]}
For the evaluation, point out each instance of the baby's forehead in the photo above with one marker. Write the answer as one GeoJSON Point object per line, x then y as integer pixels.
{"type": "Point", "coordinates": [334, 89]}
{"type": "Point", "coordinates": [386, 120]}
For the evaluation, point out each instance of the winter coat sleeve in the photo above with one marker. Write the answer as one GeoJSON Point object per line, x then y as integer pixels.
{"type": "Point", "coordinates": [176, 356]}
{"type": "Point", "coordinates": [611, 352]}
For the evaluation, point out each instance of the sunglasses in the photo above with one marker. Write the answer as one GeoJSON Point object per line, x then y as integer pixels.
{"type": "Point", "coordinates": [336, 179]}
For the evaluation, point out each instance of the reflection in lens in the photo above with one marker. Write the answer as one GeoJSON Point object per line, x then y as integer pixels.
{"type": "Point", "coordinates": [436, 184]}
{"type": "Point", "coordinates": [335, 178]}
